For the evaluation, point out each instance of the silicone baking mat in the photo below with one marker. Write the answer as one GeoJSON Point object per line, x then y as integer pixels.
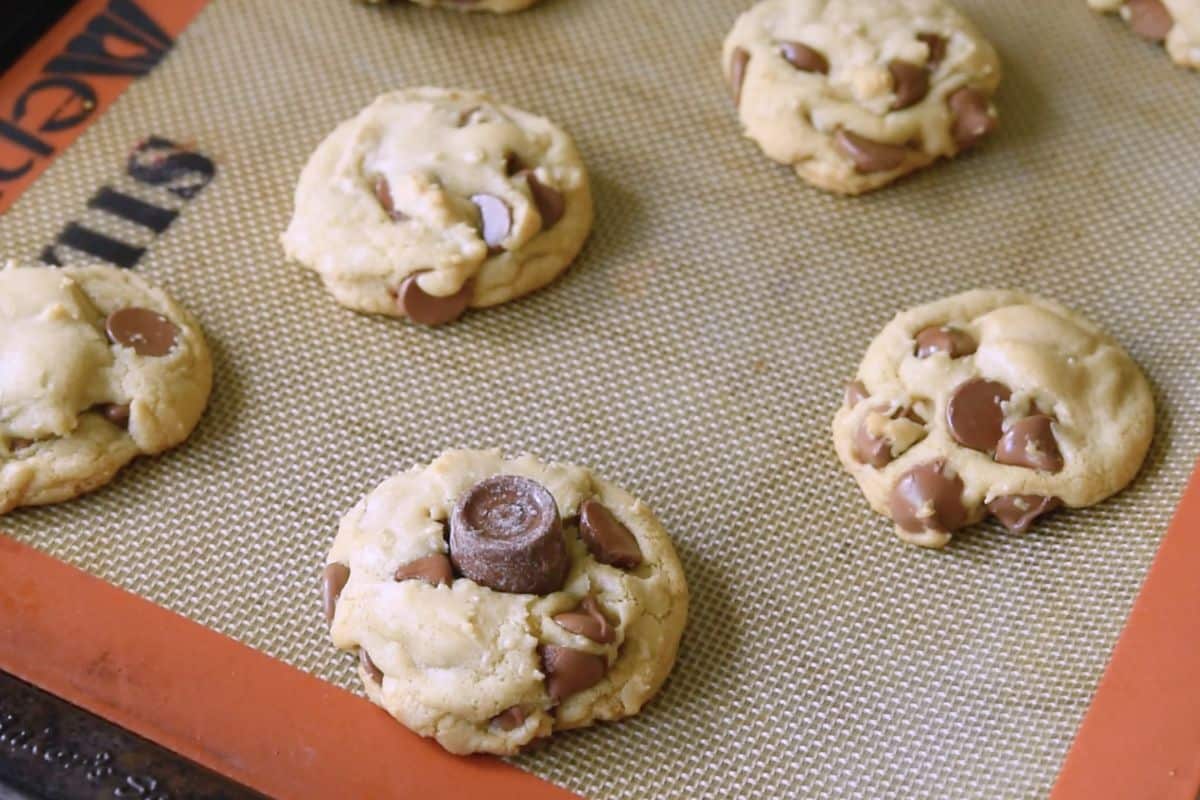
{"type": "Point", "coordinates": [694, 354]}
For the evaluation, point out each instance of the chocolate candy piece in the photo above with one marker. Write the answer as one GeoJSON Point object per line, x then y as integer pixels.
{"type": "Point", "coordinates": [803, 57]}
{"type": "Point", "coordinates": [869, 155]}
{"type": "Point", "coordinates": [737, 73]}
{"type": "Point", "coordinates": [116, 413]}
{"type": "Point", "coordinates": [383, 194]}
{"type": "Point", "coordinates": [974, 414]}
{"type": "Point", "coordinates": [871, 449]}
{"type": "Point", "coordinates": [427, 309]}
{"type": "Point", "coordinates": [375, 672]}
{"type": "Point", "coordinates": [587, 620]}
{"type": "Point", "coordinates": [1149, 19]}
{"type": "Point", "coordinates": [879, 449]}
{"type": "Point", "coordinates": [940, 339]}
{"type": "Point", "coordinates": [496, 220]}
{"type": "Point", "coordinates": [17, 443]}
{"type": "Point", "coordinates": [972, 117]}
{"type": "Point", "coordinates": [607, 539]}
{"type": "Point", "coordinates": [147, 332]}
{"type": "Point", "coordinates": [854, 393]}
{"type": "Point", "coordinates": [505, 534]}
{"type": "Point", "coordinates": [1018, 511]}
{"type": "Point", "coordinates": [513, 165]}
{"type": "Point", "coordinates": [928, 497]}
{"type": "Point", "coordinates": [332, 583]}
{"type": "Point", "coordinates": [937, 48]}
{"type": "Point", "coordinates": [569, 671]}
{"type": "Point", "coordinates": [1030, 443]}
{"type": "Point", "coordinates": [509, 719]}
{"type": "Point", "coordinates": [434, 569]}
{"type": "Point", "coordinates": [910, 82]}
{"type": "Point", "coordinates": [549, 201]}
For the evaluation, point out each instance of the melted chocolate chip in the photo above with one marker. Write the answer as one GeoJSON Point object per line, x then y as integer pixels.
{"type": "Point", "coordinates": [147, 332]}
{"type": "Point", "coordinates": [116, 413]}
{"type": "Point", "coordinates": [869, 155]}
{"type": "Point", "coordinates": [570, 671]}
{"type": "Point", "coordinates": [854, 393]}
{"type": "Point", "coordinates": [909, 81]}
{"type": "Point", "coordinates": [1017, 512]}
{"type": "Point", "coordinates": [513, 165]}
{"type": "Point", "coordinates": [972, 117]}
{"type": "Point", "coordinates": [427, 309]}
{"type": "Point", "coordinates": [434, 569]}
{"type": "Point", "coordinates": [1149, 19]}
{"type": "Point", "coordinates": [587, 620]}
{"type": "Point", "coordinates": [804, 58]}
{"type": "Point", "coordinates": [505, 534]}
{"type": "Point", "coordinates": [607, 538]}
{"type": "Point", "coordinates": [1030, 443]}
{"type": "Point", "coordinates": [974, 414]}
{"type": "Point", "coordinates": [509, 719]}
{"type": "Point", "coordinates": [940, 339]}
{"type": "Point", "coordinates": [383, 194]}
{"type": "Point", "coordinates": [549, 201]}
{"type": "Point", "coordinates": [496, 219]}
{"type": "Point", "coordinates": [737, 73]}
{"type": "Point", "coordinates": [937, 47]}
{"type": "Point", "coordinates": [332, 583]}
{"type": "Point", "coordinates": [367, 664]}
{"type": "Point", "coordinates": [928, 498]}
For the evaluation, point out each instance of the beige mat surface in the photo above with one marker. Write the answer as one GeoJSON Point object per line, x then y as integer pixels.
{"type": "Point", "coordinates": [694, 354]}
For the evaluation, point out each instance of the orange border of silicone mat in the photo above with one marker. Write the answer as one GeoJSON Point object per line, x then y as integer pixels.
{"type": "Point", "coordinates": [220, 703]}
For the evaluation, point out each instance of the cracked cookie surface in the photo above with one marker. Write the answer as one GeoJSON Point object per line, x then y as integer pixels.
{"type": "Point", "coordinates": [991, 402]}
{"type": "Point", "coordinates": [856, 93]}
{"type": "Point", "coordinates": [432, 201]}
{"type": "Point", "coordinates": [572, 614]}
{"type": "Point", "coordinates": [1174, 23]}
{"type": "Point", "coordinates": [97, 366]}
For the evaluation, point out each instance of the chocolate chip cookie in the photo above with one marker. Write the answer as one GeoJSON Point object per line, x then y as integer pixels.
{"type": "Point", "coordinates": [856, 93]}
{"type": "Point", "coordinates": [432, 201]}
{"type": "Point", "coordinates": [991, 402]}
{"type": "Point", "coordinates": [495, 6]}
{"type": "Point", "coordinates": [96, 367]}
{"type": "Point", "coordinates": [1175, 23]}
{"type": "Point", "coordinates": [492, 601]}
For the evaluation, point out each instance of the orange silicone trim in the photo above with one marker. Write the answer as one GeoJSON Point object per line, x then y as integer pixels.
{"type": "Point", "coordinates": [1141, 736]}
{"type": "Point", "coordinates": [220, 703]}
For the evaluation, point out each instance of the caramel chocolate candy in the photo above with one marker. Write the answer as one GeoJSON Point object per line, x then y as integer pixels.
{"type": "Point", "coordinates": [505, 534]}
{"type": "Point", "coordinates": [332, 583]}
{"type": "Point", "coordinates": [937, 48]}
{"type": "Point", "coordinates": [869, 155]}
{"type": "Point", "coordinates": [549, 201]}
{"type": "Point", "coordinates": [910, 82]}
{"type": "Point", "coordinates": [804, 58]}
{"type": "Point", "coordinates": [365, 659]}
{"type": "Point", "coordinates": [587, 620]}
{"type": "Point", "coordinates": [973, 118]}
{"type": "Point", "coordinates": [116, 413]}
{"type": "Point", "coordinates": [1149, 19]}
{"type": "Point", "coordinates": [434, 569]}
{"type": "Point", "coordinates": [737, 73]}
{"type": "Point", "coordinates": [940, 339]}
{"type": "Point", "coordinates": [928, 497]}
{"type": "Point", "coordinates": [570, 671]}
{"type": "Point", "coordinates": [496, 219]}
{"type": "Point", "coordinates": [974, 414]}
{"type": "Point", "coordinates": [509, 719]}
{"type": "Point", "coordinates": [607, 539]}
{"type": "Point", "coordinates": [1030, 443]}
{"type": "Point", "coordinates": [854, 393]}
{"type": "Point", "coordinates": [427, 309]}
{"type": "Point", "coordinates": [147, 332]}
{"type": "Point", "coordinates": [1017, 512]}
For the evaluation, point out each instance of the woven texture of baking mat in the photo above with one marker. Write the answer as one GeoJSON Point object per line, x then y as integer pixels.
{"type": "Point", "coordinates": [694, 354]}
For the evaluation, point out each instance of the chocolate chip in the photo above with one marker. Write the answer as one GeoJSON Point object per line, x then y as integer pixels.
{"type": "Point", "coordinates": [375, 672]}
{"type": "Point", "coordinates": [465, 117]}
{"type": "Point", "coordinates": [332, 583]}
{"type": "Point", "coordinates": [910, 82]}
{"type": "Point", "coordinates": [569, 671]}
{"type": "Point", "coordinates": [937, 47]}
{"type": "Point", "coordinates": [116, 413]}
{"type": "Point", "coordinates": [870, 449]}
{"type": "Point", "coordinates": [549, 201]}
{"type": "Point", "coordinates": [147, 332]}
{"type": "Point", "coordinates": [509, 719]}
{"type": "Point", "coordinates": [1017, 512]}
{"type": "Point", "coordinates": [928, 497]}
{"type": "Point", "coordinates": [587, 620]}
{"type": "Point", "coordinates": [879, 448]}
{"type": "Point", "coordinates": [17, 443]}
{"type": "Point", "coordinates": [513, 164]}
{"type": "Point", "coordinates": [505, 534]}
{"type": "Point", "coordinates": [737, 73]}
{"type": "Point", "coordinates": [1030, 443]}
{"type": "Point", "coordinates": [434, 569]}
{"type": "Point", "coordinates": [427, 309]}
{"type": "Point", "coordinates": [804, 58]}
{"type": "Point", "coordinates": [869, 155]}
{"type": "Point", "coordinates": [383, 194]}
{"type": "Point", "coordinates": [940, 339]}
{"type": "Point", "coordinates": [854, 393]}
{"type": "Point", "coordinates": [1149, 19]}
{"type": "Point", "coordinates": [607, 539]}
{"type": "Point", "coordinates": [973, 118]}
{"type": "Point", "coordinates": [974, 414]}
{"type": "Point", "coordinates": [496, 220]}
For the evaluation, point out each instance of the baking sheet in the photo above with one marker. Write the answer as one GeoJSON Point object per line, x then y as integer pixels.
{"type": "Point", "coordinates": [694, 354]}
